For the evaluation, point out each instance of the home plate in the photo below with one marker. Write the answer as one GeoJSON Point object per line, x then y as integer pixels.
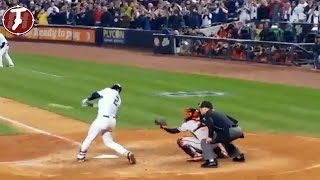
{"type": "Point", "coordinates": [106, 156]}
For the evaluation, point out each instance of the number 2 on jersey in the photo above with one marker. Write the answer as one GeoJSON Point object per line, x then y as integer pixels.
{"type": "Point", "coordinates": [116, 100]}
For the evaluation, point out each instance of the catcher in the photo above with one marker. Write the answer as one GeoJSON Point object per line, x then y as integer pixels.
{"type": "Point", "coordinates": [191, 145]}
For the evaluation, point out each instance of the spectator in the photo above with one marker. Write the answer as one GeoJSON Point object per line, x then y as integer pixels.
{"type": "Point", "coordinates": [79, 15]}
{"type": "Point", "coordinates": [265, 32]}
{"type": "Point", "coordinates": [116, 19]}
{"type": "Point", "coordinates": [221, 12]}
{"type": "Point", "coordinates": [206, 18]}
{"type": "Point", "coordinates": [32, 6]}
{"type": "Point", "coordinates": [53, 16]}
{"type": "Point", "coordinates": [275, 34]}
{"type": "Point", "coordinates": [307, 8]}
{"type": "Point", "coordinates": [176, 20]}
{"type": "Point", "coordinates": [71, 16]}
{"type": "Point", "coordinates": [275, 11]}
{"type": "Point", "coordinates": [106, 18]}
{"type": "Point", "coordinates": [258, 31]}
{"type": "Point", "coordinates": [193, 19]}
{"type": "Point", "coordinates": [42, 17]}
{"type": "Point", "coordinates": [126, 10]}
{"type": "Point", "coordinates": [244, 14]}
{"type": "Point", "coordinates": [263, 11]}
{"type": "Point", "coordinates": [288, 35]}
{"type": "Point", "coordinates": [97, 15]}
{"type": "Point", "coordinates": [62, 16]}
{"type": "Point", "coordinates": [52, 9]}
{"type": "Point", "coordinates": [222, 33]}
{"type": "Point", "coordinates": [287, 12]}
{"type": "Point", "coordinates": [3, 9]}
{"type": "Point", "coordinates": [313, 14]}
{"type": "Point", "coordinates": [253, 10]}
{"type": "Point", "coordinates": [112, 9]}
{"type": "Point", "coordinates": [246, 32]}
{"type": "Point", "coordinates": [232, 31]}
{"type": "Point", "coordinates": [298, 12]}
{"type": "Point", "coordinates": [89, 16]}
{"type": "Point", "coordinates": [232, 6]}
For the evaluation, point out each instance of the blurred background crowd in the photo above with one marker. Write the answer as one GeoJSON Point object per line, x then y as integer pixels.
{"type": "Point", "coordinates": [182, 15]}
{"type": "Point", "coordinates": [175, 14]}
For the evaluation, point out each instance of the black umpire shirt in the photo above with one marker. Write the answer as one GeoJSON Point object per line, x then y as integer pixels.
{"type": "Point", "coordinates": [217, 122]}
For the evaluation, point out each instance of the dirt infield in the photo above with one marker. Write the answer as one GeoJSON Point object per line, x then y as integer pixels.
{"type": "Point", "coordinates": [49, 148]}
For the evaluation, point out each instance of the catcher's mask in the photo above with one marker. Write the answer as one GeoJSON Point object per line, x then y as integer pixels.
{"type": "Point", "coordinates": [191, 114]}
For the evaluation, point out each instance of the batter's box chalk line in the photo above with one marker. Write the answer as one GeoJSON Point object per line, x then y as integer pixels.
{"type": "Point", "coordinates": [106, 156]}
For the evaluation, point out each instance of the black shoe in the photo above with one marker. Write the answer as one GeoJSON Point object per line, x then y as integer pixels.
{"type": "Point", "coordinates": [208, 164]}
{"type": "Point", "coordinates": [239, 158]}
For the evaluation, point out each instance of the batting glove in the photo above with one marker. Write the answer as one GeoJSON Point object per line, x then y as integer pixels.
{"type": "Point", "coordinates": [85, 102]}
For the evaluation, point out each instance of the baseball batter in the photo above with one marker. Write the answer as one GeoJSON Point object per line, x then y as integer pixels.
{"type": "Point", "coordinates": [109, 101]}
{"type": "Point", "coordinates": [192, 145]}
{"type": "Point", "coordinates": [4, 51]}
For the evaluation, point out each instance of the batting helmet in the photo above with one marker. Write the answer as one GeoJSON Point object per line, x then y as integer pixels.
{"type": "Point", "coordinates": [117, 87]}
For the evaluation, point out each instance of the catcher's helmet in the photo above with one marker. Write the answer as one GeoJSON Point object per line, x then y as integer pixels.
{"type": "Point", "coordinates": [117, 87]}
{"type": "Point", "coordinates": [190, 114]}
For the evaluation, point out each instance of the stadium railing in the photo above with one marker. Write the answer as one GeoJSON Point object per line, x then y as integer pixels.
{"type": "Point", "coordinates": [278, 53]}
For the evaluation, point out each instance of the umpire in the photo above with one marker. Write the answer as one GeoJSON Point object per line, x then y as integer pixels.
{"type": "Point", "coordinates": [222, 129]}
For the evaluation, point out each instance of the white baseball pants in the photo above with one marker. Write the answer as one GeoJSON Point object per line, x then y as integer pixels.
{"type": "Point", "coordinates": [4, 52]}
{"type": "Point", "coordinates": [102, 126]}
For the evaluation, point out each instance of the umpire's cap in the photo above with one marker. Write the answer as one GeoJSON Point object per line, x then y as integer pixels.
{"type": "Point", "coordinates": [206, 104]}
{"type": "Point", "coordinates": [117, 87]}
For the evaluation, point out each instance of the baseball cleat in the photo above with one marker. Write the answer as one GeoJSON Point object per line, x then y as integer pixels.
{"type": "Point", "coordinates": [213, 163]}
{"type": "Point", "coordinates": [239, 158]}
{"type": "Point", "coordinates": [131, 158]}
{"type": "Point", "coordinates": [81, 156]}
{"type": "Point", "coordinates": [81, 159]}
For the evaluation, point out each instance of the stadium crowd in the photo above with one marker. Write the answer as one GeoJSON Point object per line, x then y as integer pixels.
{"type": "Point", "coordinates": [175, 14]}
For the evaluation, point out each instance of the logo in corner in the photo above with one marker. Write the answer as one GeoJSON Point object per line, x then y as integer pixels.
{"type": "Point", "coordinates": [18, 20]}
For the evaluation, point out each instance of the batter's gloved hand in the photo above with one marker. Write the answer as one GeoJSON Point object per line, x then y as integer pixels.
{"type": "Point", "coordinates": [86, 103]}
{"type": "Point", "coordinates": [161, 122]}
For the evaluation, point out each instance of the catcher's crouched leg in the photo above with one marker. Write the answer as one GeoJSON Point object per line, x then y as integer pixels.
{"type": "Point", "coordinates": [193, 152]}
{"type": "Point", "coordinates": [221, 154]}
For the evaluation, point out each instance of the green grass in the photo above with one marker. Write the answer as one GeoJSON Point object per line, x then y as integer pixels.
{"type": "Point", "coordinates": [6, 129]}
{"type": "Point", "coordinates": [258, 106]}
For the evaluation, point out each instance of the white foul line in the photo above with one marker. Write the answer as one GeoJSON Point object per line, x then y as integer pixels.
{"type": "Point", "coordinates": [60, 106]}
{"type": "Point", "coordinates": [48, 74]}
{"type": "Point", "coordinates": [301, 137]}
{"type": "Point", "coordinates": [296, 170]}
{"type": "Point", "coordinates": [39, 130]}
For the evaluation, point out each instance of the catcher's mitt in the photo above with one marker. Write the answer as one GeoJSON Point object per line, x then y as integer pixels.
{"type": "Point", "coordinates": [161, 122]}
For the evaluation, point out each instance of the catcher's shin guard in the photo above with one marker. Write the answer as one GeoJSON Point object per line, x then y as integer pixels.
{"type": "Point", "coordinates": [187, 149]}
{"type": "Point", "coordinates": [220, 153]}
